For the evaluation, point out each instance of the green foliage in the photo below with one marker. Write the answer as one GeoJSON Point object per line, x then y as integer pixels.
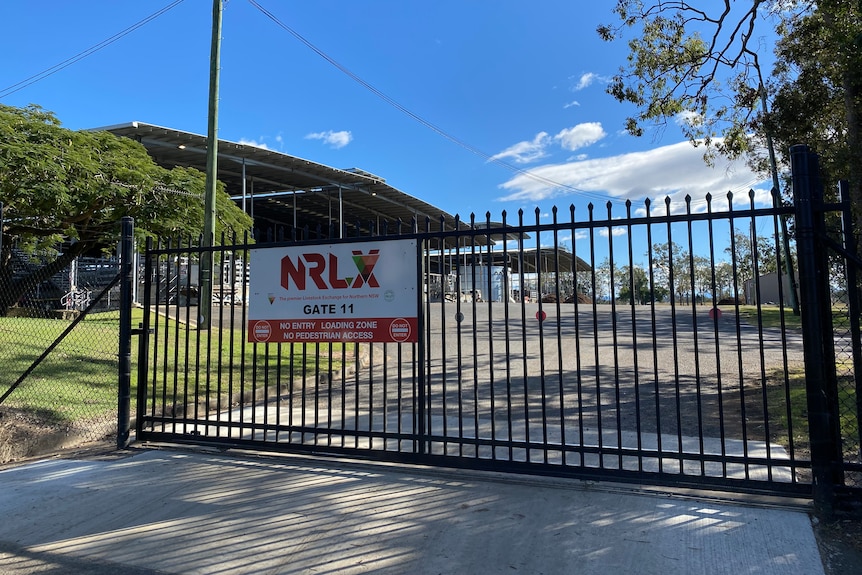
{"type": "Point", "coordinates": [700, 66]}
{"type": "Point", "coordinates": [65, 193]}
{"type": "Point", "coordinates": [634, 285]}
{"type": "Point", "coordinates": [694, 66]}
{"type": "Point", "coordinates": [818, 87]}
{"type": "Point", "coordinates": [746, 251]}
{"type": "Point", "coordinates": [671, 268]}
{"type": "Point", "coordinates": [58, 185]}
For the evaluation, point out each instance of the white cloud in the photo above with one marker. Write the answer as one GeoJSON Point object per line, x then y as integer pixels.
{"type": "Point", "coordinates": [335, 140]}
{"type": "Point", "coordinates": [580, 136]}
{"type": "Point", "coordinates": [571, 104]}
{"type": "Point", "coordinates": [667, 171]}
{"type": "Point", "coordinates": [615, 231]}
{"type": "Point", "coordinates": [569, 139]}
{"type": "Point", "coordinates": [587, 79]}
{"type": "Point", "coordinates": [524, 152]}
{"type": "Point", "coordinates": [254, 143]}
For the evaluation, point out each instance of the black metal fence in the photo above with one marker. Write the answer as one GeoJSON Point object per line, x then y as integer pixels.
{"type": "Point", "coordinates": [657, 345]}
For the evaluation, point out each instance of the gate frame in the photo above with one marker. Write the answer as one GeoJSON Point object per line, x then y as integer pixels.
{"type": "Point", "coordinates": [813, 245]}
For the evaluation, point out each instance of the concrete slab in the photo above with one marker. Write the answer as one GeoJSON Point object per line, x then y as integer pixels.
{"type": "Point", "coordinates": [170, 511]}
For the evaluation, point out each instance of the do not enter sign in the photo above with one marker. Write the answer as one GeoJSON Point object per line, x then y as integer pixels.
{"type": "Point", "coordinates": [399, 329]}
{"type": "Point", "coordinates": [262, 331]}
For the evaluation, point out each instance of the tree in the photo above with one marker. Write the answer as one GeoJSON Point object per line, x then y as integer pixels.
{"type": "Point", "coordinates": [702, 277]}
{"type": "Point", "coordinates": [671, 268]}
{"type": "Point", "coordinates": [701, 65]}
{"type": "Point", "coordinates": [634, 285]}
{"type": "Point", "coordinates": [65, 192]}
{"type": "Point", "coordinates": [601, 281]}
{"type": "Point", "coordinates": [724, 280]}
{"type": "Point", "coordinates": [619, 281]}
{"type": "Point", "coordinates": [818, 89]}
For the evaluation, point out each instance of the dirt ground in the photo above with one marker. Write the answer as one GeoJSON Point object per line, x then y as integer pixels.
{"type": "Point", "coordinates": [23, 439]}
{"type": "Point", "coordinates": [23, 436]}
{"type": "Point", "coordinates": [840, 545]}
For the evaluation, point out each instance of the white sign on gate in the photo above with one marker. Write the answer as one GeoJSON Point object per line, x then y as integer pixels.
{"type": "Point", "coordinates": [356, 292]}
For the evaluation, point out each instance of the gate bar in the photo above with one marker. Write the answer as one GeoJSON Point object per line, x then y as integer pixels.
{"type": "Point", "coordinates": [124, 391]}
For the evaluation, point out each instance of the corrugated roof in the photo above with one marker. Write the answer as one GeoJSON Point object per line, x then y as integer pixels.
{"type": "Point", "coordinates": [283, 190]}
{"type": "Point", "coordinates": [286, 191]}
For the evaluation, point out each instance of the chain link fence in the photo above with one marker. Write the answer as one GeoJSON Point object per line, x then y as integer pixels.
{"type": "Point", "coordinates": [848, 408]}
{"type": "Point", "coordinates": [846, 367]}
{"type": "Point", "coordinates": [58, 365]}
{"type": "Point", "coordinates": [845, 273]}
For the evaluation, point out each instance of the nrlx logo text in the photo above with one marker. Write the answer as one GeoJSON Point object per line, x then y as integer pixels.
{"type": "Point", "coordinates": [322, 270]}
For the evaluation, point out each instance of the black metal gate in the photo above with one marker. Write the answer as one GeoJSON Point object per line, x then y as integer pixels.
{"type": "Point", "coordinates": [829, 265]}
{"type": "Point", "coordinates": [652, 347]}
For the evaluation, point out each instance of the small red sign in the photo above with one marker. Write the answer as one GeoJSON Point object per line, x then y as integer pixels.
{"type": "Point", "coordinates": [262, 330]}
{"type": "Point", "coordinates": [541, 315]}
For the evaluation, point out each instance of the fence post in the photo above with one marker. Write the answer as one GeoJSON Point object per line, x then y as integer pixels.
{"type": "Point", "coordinates": [143, 339]}
{"type": "Point", "coordinates": [125, 347]}
{"type": "Point", "coordinates": [816, 313]}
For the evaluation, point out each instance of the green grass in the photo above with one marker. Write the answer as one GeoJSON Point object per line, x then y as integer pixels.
{"type": "Point", "coordinates": [78, 379]}
{"type": "Point", "coordinates": [217, 366]}
{"type": "Point", "coordinates": [771, 316]}
{"type": "Point", "coordinates": [781, 417]}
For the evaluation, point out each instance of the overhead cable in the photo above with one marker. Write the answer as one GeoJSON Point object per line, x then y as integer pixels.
{"type": "Point", "coordinates": [418, 118]}
{"type": "Point", "coordinates": [81, 55]}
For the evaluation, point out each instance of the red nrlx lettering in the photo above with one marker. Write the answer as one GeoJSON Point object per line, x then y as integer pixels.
{"type": "Point", "coordinates": [323, 271]}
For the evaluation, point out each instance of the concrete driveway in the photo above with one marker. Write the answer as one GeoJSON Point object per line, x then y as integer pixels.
{"type": "Point", "coordinates": [148, 511]}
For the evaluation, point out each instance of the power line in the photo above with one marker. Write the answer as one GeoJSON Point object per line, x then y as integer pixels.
{"type": "Point", "coordinates": [418, 118]}
{"type": "Point", "coordinates": [395, 104]}
{"type": "Point", "coordinates": [81, 55]}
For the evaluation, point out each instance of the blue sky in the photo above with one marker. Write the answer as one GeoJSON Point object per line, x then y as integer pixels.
{"type": "Point", "coordinates": [508, 86]}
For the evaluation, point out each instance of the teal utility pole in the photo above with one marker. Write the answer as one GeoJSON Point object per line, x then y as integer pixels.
{"type": "Point", "coordinates": [206, 269]}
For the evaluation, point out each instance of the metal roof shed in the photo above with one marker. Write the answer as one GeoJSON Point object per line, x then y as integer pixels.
{"type": "Point", "coordinates": [278, 189]}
